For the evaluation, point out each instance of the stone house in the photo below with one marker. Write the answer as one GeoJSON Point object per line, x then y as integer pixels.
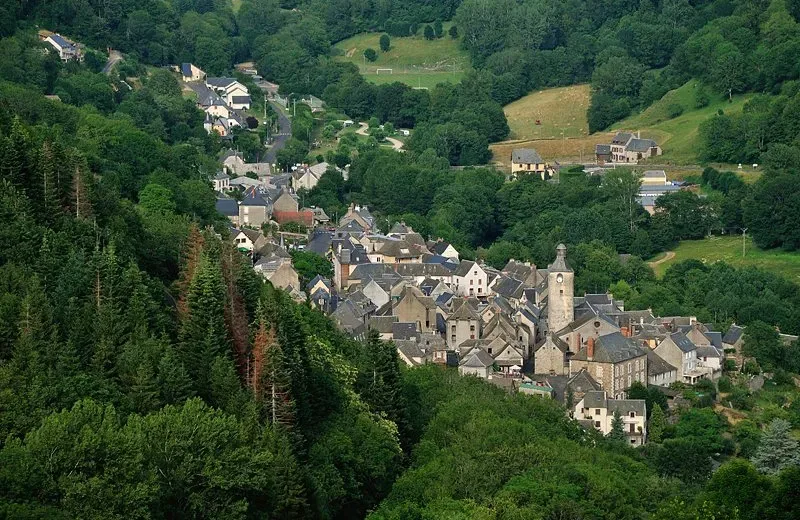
{"type": "Point", "coordinates": [477, 362]}
{"type": "Point", "coordinates": [678, 350]}
{"type": "Point", "coordinates": [630, 148]}
{"type": "Point", "coordinates": [253, 209]}
{"type": "Point", "coordinates": [465, 323]}
{"type": "Point", "coordinates": [612, 360]}
{"type": "Point", "coordinates": [414, 307]}
{"type": "Point", "coordinates": [550, 357]}
{"type": "Point", "coordinates": [659, 372]}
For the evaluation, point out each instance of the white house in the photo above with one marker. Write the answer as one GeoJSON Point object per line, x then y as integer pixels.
{"type": "Point", "coordinates": [678, 350]}
{"type": "Point", "coordinates": [245, 239]}
{"type": "Point", "coordinates": [222, 182]}
{"type": "Point", "coordinates": [66, 49]}
{"type": "Point", "coordinates": [597, 410]}
{"type": "Point", "coordinates": [470, 279]}
{"type": "Point", "coordinates": [477, 362]}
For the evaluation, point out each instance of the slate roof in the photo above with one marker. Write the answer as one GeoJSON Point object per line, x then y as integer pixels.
{"type": "Point", "coordinates": [715, 338]}
{"type": "Point", "coordinates": [399, 228]}
{"type": "Point", "coordinates": [464, 267]}
{"type": "Point", "coordinates": [709, 352]}
{"type": "Point", "coordinates": [621, 138]}
{"type": "Point", "coordinates": [656, 364]}
{"type": "Point", "coordinates": [602, 149]}
{"type": "Point", "coordinates": [683, 343]}
{"type": "Point", "coordinates": [320, 242]}
{"type": "Point", "coordinates": [404, 330]}
{"type": "Point", "coordinates": [228, 207]}
{"type": "Point", "coordinates": [733, 335]}
{"type": "Point", "coordinates": [382, 324]}
{"type": "Point", "coordinates": [612, 348]}
{"type": "Point", "coordinates": [597, 399]}
{"type": "Point", "coordinates": [240, 100]}
{"type": "Point", "coordinates": [477, 358]}
{"type": "Point", "coordinates": [640, 145]}
{"type": "Point", "coordinates": [252, 198]}
{"type": "Point", "coordinates": [221, 176]}
{"type": "Point", "coordinates": [526, 156]}
{"type": "Point", "coordinates": [439, 247]}
{"type": "Point", "coordinates": [316, 280]}
{"type": "Point", "coordinates": [509, 288]}
{"type": "Point", "coordinates": [186, 69]}
{"type": "Point", "coordinates": [219, 82]}
{"type": "Point", "coordinates": [410, 350]}
{"type": "Point", "coordinates": [560, 263]}
{"type": "Point", "coordinates": [374, 271]}
{"type": "Point", "coordinates": [465, 311]}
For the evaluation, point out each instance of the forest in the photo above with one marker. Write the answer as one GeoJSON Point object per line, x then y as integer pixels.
{"type": "Point", "coordinates": [147, 372]}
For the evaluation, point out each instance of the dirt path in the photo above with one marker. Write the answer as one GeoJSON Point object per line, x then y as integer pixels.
{"type": "Point", "coordinates": [363, 130]}
{"type": "Point", "coordinates": [667, 257]}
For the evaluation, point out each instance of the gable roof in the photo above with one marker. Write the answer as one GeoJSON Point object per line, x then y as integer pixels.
{"type": "Point", "coordinates": [477, 358]}
{"type": "Point", "coordinates": [220, 82]}
{"type": "Point", "coordinates": [656, 364]}
{"type": "Point", "coordinates": [526, 156]}
{"type": "Point", "coordinates": [252, 198]}
{"type": "Point", "coordinates": [227, 207]}
{"type": "Point", "coordinates": [640, 145]}
{"type": "Point", "coordinates": [464, 267]}
{"type": "Point", "coordinates": [733, 335]}
{"type": "Point", "coordinates": [602, 149]}
{"type": "Point", "coordinates": [240, 100]}
{"type": "Point", "coordinates": [621, 138]}
{"type": "Point", "coordinates": [612, 348]}
{"type": "Point", "coordinates": [682, 342]}
{"type": "Point", "coordinates": [186, 70]}
{"type": "Point", "coordinates": [404, 330]}
{"type": "Point", "coordinates": [61, 41]}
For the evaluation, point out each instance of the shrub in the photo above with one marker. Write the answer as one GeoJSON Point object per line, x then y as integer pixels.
{"type": "Point", "coordinates": [370, 54]}
{"type": "Point", "coordinates": [724, 384]}
{"type": "Point", "coordinates": [674, 110]}
{"type": "Point", "coordinates": [385, 42]}
{"type": "Point", "coordinates": [701, 98]}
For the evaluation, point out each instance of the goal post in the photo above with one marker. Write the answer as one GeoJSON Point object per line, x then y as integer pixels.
{"type": "Point", "coordinates": [378, 71]}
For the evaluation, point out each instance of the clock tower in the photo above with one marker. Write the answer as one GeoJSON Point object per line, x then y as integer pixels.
{"type": "Point", "coordinates": [560, 292]}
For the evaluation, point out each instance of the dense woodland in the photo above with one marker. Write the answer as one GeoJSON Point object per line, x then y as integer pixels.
{"type": "Point", "coordinates": [146, 372]}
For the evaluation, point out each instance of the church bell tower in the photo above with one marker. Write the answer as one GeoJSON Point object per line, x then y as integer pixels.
{"type": "Point", "coordinates": [560, 292]}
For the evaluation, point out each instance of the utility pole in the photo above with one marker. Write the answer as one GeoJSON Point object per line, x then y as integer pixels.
{"type": "Point", "coordinates": [744, 234]}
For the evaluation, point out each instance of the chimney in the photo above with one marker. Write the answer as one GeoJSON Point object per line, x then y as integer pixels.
{"type": "Point", "coordinates": [626, 332]}
{"type": "Point", "coordinates": [590, 349]}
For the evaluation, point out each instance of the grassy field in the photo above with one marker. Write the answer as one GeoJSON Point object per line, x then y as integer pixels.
{"type": "Point", "coordinates": [564, 109]}
{"type": "Point", "coordinates": [678, 137]}
{"type": "Point", "coordinates": [414, 60]}
{"type": "Point", "coordinates": [557, 109]}
{"type": "Point", "coordinates": [729, 249]}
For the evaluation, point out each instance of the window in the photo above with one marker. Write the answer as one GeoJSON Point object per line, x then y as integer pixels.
{"type": "Point", "coordinates": [597, 411]}
{"type": "Point", "coordinates": [633, 415]}
{"type": "Point", "coordinates": [597, 424]}
{"type": "Point", "coordinates": [453, 328]}
{"type": "Point", "coordinates": [453, 337]}
{"type": "Point", "coordinates": [632, 429]}
{"type": "Point", "coordinates": [489, 350]}
{"type": "Point", "coordinates": [472, 328]}
{"type": "Point", "coordinates": [633, 441]}
{"type": "Point", "coordinates": [480, 290]}
{"type": "Point", "coordinates": [561, 291]}
{"type": "Point", "coordinates": [472, 282]}
{"type": "Point", "coordinates": [472, 336]}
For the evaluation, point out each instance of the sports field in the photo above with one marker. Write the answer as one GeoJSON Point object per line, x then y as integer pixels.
{"type": "Point", "coordinates": [729, 249]}
{"type": "Point", "coordinates": [413, 60]}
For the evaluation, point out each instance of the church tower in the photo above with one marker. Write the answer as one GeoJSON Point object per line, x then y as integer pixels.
{"type": "Point", "coordinates": [560, 292]}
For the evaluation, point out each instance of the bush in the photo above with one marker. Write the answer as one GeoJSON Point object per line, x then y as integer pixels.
{"type": "Point", "coordinates": [385, 42]}
{"type": "Point", "coordinates": [674, 110]}
{"type": "Point", "coordinates": [370, 54]}
{"type": "Point", "coordinates": [741, 399]}
{"type": "Point", "coordinates": [453, 32]}
{"type": "Point", "coordinates": [429, 33]}
{"type": "Point", "coordinates": [724, 384]}
{"type": "Point", "coordinates": [701, 98]}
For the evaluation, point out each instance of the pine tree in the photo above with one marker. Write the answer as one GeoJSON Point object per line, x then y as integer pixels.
{"type": "Point", "coordinates": [657, 424]}
{"type": "Point", "coordinates": [173, 379]}
{"type": "Point", "coordinates": [17, 164]}
{"type": "Point", "coordinates": [144, 393]}
{"type": "Point", "coordinates": [385, 392]}
{"type": "Point", "coordinates": [268, 379]}
{"type": "Point", "coordinates": [226, 390]}
{"type": "Point", "coordinates": [287, 481]}
{"type": "Point", "coordinates": [203, 335]}
{"type": "Point", "coordinates": [778, 449]}
{"type": "Point", "coordinates": [192, 254]}
{"type": "Point", "coordinates": [81, 194]}
{"type": "Point", "coordinates": [50, 203]}
{"type": "Point", "coordinates": [617, 433]}
{"type": "Point", "coordinates": [109, 326]}
{"type": "Point", "coordinates": [236, 317]}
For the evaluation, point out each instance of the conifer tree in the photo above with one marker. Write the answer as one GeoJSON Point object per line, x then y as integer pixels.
{"type": "Point", "coordinates": [50, 203]}
{"type": "Point", "coordinates": [192, 253]}
{"type": "Point", "coordinates": [617, 433]}
{"type": "Point", "coordinates": [225, 388]}
{"type": "Point", "coordinates": [290, 495]}
{"type": "Point", "coordinates": [236, 317]}
{"type": "Point", "coordinates": [17, 164]}
{"type": "Point", "coordinates": [384, 389]}
{"type": "Point", "coordinates": [268, 379]}
{"type": "Point", "coordinates": [656, 425]}
{"type": "Point", "coordinates": [109, 326]}
{"type": "Point", "coordinates": [144, 392]}
{"type": "Point", "coordinates": [778, 449]}
{"type": "Point", "coordinates": [203, 334]}
{"type": "Point", "coordinates": [173, 379]}
{"type": "Point", "coordinates": [81, 194]}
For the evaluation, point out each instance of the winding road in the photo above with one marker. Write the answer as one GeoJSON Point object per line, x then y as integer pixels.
{"type": "Point", "coordinates": [363, 129]}
{"type": "Point", "coordinates": [669, 255]}
{"type": "Point", "coordinates": [283, 135]}
{"type": "Point", "coordinates": [114, 57]}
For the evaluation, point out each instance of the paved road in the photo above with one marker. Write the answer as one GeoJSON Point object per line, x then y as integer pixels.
{"type": "Point", "coordinates": [364, 127]}
{"type": "Point", "coordinates": [283, 135]}
{"type": "Point", "coordinates": [114, 57]}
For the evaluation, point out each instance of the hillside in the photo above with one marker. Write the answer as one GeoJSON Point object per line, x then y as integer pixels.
{"type": "Point", "coordinates": [729, 249]}
{"type": "Point", "coordinates": [557, 110]}
{"type": "Point", "coordinates": [678, 136]}
{"type": "Point", "coordinates": [414, 60]}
